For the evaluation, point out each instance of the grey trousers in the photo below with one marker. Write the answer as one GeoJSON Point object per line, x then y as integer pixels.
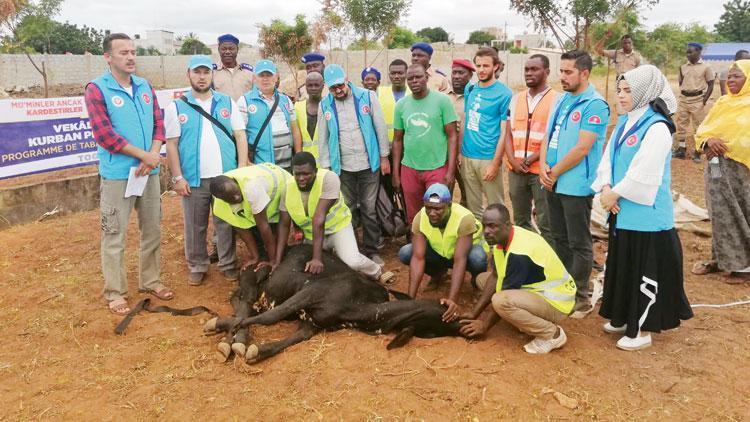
{"type": "Point", "coordinates": [525, 189]}
{"type": "Point", "coordinates": [360, 190]}
{"type": "Point", "coordinates": [115, 214]}
{"type": "Point", "coordinates": [570, 219]}
{"type": "Point", "coordinates": [196, 209]}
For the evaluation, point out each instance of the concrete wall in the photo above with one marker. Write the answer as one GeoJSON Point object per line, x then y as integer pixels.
{"type": "Point", "coordinates": [169, 71]}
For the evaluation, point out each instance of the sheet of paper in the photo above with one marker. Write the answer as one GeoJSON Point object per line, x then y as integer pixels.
{"type": "Point", "coordinates": [136, 184]}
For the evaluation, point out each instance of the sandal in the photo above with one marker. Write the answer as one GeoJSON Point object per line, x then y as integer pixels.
{"type": "Point", "coordinates": [162, 292]}
{"type": "Point", "coordinates": [119, 307]}
{"type": "Point", "coordinates": [707, 267]}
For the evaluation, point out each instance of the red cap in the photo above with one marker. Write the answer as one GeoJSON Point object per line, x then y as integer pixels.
{"type": "Point", "coordinates": [464, 63]}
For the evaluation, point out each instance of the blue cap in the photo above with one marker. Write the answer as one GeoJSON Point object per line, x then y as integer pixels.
{"type": "Point", "coordinates": [366, 71]}
{"type": "Point", "coordinates": [437, 193]}
{"type": "Point", "coordinates": [697, 45]}
{"type": "Point", "coordinates": [265, 66]}
{"type": "Point", "coordinates": [229, 38]}
{"type": "Point", "coordinates": [200, 60]}
{"type": "Point", "coordinates": [334, 75]}
{"type": "Point", "coordinates": [313, 57]}
{"type": "Point", "coordinates": [422, 46]}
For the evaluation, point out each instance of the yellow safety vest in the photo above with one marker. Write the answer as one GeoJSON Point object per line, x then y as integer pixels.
{"type": "Point", "coordinates": [337, 218]}
{"type": "Point", "coordinates": [388, 105]}
{"type": "Point", "coordinates": [444, 243]}
{"type": "Point", "coordinates": [308, 144]}
{"type": "Point", "coordinates": [242, 217]}
{"type": "Point", "coordinates": [558, 288]}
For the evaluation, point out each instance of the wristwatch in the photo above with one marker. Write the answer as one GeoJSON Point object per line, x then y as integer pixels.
{"type": "Point", "coordinates": [526, 162]}
{"type": "Point", "coordinates": [176, 179]}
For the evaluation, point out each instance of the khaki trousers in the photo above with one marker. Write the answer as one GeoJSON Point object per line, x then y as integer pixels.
{"type": "Point", "coordinates": [689, 110]}
{"type": "Point", "coordinates": [472, 174]}
{"type": "Point", "coordinates": [115, 213]}
{"type": "Point", "coordinates": [527, 311]}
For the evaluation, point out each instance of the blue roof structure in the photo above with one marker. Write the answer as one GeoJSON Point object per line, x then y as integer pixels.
{"type": "Point", "coordinates": [724, 50]}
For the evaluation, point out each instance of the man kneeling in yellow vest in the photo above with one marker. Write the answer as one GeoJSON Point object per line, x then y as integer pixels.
{"type": "Point", "coordinates": [528, 285]}
{"type": "Point", "coordinates": [313, 200]}
{"type": "Point", "coordinates": [248, 199]}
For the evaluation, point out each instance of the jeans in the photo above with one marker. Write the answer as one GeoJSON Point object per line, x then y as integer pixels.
{"type": "Point", "coordinates": [570, 219]}
{"type": "Point", "coordinates": [360, 190]}
{"type": "Point", "coordinates": [436, 264]}
{"type": "Point", "coordinates": [115, 213]}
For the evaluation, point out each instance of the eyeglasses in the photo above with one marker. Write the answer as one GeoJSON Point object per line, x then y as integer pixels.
{"type": "Point", "coordinates": [338, 87]}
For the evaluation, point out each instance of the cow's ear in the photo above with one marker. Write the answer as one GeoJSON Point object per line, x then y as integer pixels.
{"type": "Point", "coordinates": [262, 274]}
{"type": "Point", "coordinates": [401, 338]}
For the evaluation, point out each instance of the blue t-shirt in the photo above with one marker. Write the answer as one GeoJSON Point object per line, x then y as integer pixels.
{"type": "Point", "coordinates": [398, 95]}
{"type": "Point", "coordinates": [485, 108]}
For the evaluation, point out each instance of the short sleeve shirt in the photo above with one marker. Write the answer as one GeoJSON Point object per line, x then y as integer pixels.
{"type": "Point", "coordinates": [623, 61]}
{"type": "Point", "coordinates": [423, 122]}
{"type": "Point", "coordinates": [234, 82]}
{"type": "Point", "coordinates": [486, 108]}
{"type": "Point", "coordinates": [695, 77]}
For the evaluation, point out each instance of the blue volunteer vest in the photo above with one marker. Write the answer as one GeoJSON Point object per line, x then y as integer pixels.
{"type": "Point", "coordinates": [576, 181]}
{"type": "Point", "coordinates": [191, 128]}
{"type": "Point", "coordinates": [132, 118]}
{"type": "Point", "coordinates": [624, 146]}
{"type": "Point", "coordinates": [363, 108]}
{"type": "Point", "coordinates": [257, 111]}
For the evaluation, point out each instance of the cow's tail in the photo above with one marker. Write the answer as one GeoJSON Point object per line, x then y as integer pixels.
{"type": "Point", "coordinates": [398, 295]}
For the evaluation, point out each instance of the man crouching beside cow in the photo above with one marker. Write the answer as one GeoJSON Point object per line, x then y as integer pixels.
{"type": "Point", "coordinates": [527, 284]}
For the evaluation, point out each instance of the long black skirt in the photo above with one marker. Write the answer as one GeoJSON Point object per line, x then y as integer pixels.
{"type": "Point", "coordinates": [643, 282]}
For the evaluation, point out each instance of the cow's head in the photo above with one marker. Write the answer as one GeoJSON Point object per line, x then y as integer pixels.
{"type": "Point", "coordinates": [251, 283]}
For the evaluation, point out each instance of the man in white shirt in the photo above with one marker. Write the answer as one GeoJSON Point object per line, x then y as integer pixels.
{"type": "Point", "coordinates": [198, 150]}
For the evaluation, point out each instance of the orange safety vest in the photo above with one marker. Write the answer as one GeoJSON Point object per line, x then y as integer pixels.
{"type": "Point", "coordinates": [528, 129]}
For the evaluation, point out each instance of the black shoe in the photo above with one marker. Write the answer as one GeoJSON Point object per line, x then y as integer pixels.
{"type": "Point", "coordinates": [696, 157]}
{"type": "Point", "coordinates": [679, 153]}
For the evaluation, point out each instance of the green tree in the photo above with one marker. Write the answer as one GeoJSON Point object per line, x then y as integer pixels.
{"type": "Point", "coordinates": [436, 34]}
{"type": "Point", "coordinates": [372, 19]}
{"type": "Point", "coordinates": [192, 45]}
{"type": "Point", "coordinates": [667, 43]}
{"type": "Point", "coordinates": [401, 37]}
{"type": "Point", "coordinates": [734, 23]}
{"type": "Point", "coordinates": [59, 38]}
{"type": "Point", "coordinates": [285, 42]}
{"type": "Point", "coordinates": [480, 38]}
{"type": "Point", "coordinates": [328, 24]}
{"type": "Point", "coordinates": [151, 51]}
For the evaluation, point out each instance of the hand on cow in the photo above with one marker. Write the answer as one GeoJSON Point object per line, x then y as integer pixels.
{"type": "Point", "coordinates": [249, 263]}
{"type": "Point", "coordinates": [450, 314]}
{"type": "Point", "coordinates": [264, 264]}
{"type": "Point", "coordinates": [314, 266]}
{"type": "Point", "coordinates": [472, 327]}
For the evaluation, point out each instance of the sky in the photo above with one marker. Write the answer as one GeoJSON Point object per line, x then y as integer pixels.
{"type": "Point", "coordinates": [209, 19]}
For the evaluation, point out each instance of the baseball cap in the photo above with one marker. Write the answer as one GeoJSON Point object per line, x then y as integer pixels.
{"type": "Point", "coordinates": [265, 66]}
{"type": "Point", "coordinates": [200, 61]}
{"type": "Point", "coordinates": [334, 75]}
{"type": "Point", "coordinates": [437, 193]}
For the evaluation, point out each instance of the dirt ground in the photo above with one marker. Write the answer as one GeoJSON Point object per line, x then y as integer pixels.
{"type": "Point", "coordinates": [61, 360]}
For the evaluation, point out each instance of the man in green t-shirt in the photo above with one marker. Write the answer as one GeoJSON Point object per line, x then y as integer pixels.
{"type": "Point", "coordinates": [425, 143]}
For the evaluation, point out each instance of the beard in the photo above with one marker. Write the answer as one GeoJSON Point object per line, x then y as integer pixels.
{"type": "Point", "coordinates": [200, 90]}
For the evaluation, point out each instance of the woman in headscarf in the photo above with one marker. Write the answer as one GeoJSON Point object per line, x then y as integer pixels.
{"type": "Point", "coordinates": [725, 137]}
{"type": "Point", "coordinates": [643, 283]}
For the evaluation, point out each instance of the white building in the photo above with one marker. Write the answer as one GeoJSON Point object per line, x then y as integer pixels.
{"type": "Point", "coordinates": [162, 40]}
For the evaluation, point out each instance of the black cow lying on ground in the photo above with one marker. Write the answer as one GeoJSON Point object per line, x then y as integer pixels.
{"type": "Point", "coordinates": [337, 298]}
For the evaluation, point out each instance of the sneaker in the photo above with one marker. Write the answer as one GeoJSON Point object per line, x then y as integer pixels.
{"type": "Point", "coordinates": [582, 308]}
{"type": "Point", "coordinates": [387, 278]}
{"type": "Point", "coordinates": [539, 346]}
{"type": "Point", "coordinates": [679, 153]}
{"type": "Point", "coordinates": [381, 243]}
{"type": "Point", "coordinates": [231, 275]}
{"type": "Point", "coordinates": [377, 259]}
{"type": "Point", "coordinates": [696, 157]}
{"type": "Point", "coordinates": [637, 343]}
{"type": "Point", "coordinates": [609, 328]}
{"type": "Point", "coordinates": [195, 279]}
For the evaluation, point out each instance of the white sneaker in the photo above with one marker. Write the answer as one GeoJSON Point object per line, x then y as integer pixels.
{"type": "Point", "coordinates": [539, 346]}
{"type": "Point", "coordinates": [609, 328]}
{"type": "Point", "coordinates": [637, 343]}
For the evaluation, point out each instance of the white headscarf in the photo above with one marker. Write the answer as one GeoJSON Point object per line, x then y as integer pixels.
{"type": "Point", "coordinates": [648, 84]}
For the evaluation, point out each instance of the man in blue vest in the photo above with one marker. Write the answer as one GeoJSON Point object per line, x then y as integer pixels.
{"type": "Point", "coordinates": [198, 151]}
{"type": "Point", "coordinates": [353, 143]}
{"type": "Point", "coordinates": [281, 134]}
{"type": "Point", "coordinates": [129, 128]}
{"type": "Point", "coordinates": [571, 154]}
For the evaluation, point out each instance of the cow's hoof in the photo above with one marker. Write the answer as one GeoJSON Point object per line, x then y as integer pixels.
{"type": "Point", "coordinates": [210, 325]}
{"type": "Point", "coordinates": [252, 353]}
{"type": "Point", "coordinates": [225, 349]}
{"type": "Point", "coordinates": [239, 349]}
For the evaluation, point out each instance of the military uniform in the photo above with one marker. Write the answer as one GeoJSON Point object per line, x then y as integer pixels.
{"type": "Point", "coordinates": [624, 61]}
{"type": "Point", "coordinates": [437, 80]}
{"type": "Point", "coordinates": [695, 81]}
{"type": "Point", "coordinates": [234, 81]}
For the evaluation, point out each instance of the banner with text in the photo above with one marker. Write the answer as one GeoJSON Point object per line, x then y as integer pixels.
{"type": "Point", "coordinates": [41, 135]}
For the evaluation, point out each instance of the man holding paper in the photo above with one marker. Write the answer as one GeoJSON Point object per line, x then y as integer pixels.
{"type": "Point", "coordinates": [129, 129]}
{"type": "Point", "coordinates": [205, 132]}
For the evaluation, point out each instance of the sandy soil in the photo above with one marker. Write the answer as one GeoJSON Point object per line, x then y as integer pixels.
{"type": "Point", "coordinates": [61, 360]}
